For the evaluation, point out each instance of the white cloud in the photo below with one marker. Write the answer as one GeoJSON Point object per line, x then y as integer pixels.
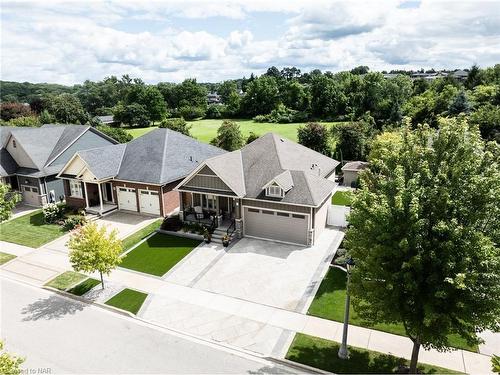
{"type": "Point", "coordinates": [69, 42]}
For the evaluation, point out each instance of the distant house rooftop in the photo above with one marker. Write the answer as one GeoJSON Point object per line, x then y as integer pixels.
{"type": "Point", "coordinates": [106, 119]}
{"type": "Point", "coordinates": [355, 166]}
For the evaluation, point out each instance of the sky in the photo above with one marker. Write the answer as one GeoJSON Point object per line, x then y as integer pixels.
{"type": "Point", "coordinates": [68, 42]}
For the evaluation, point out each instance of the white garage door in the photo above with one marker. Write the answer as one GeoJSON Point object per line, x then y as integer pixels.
{"type": "Point", "coordinates": [30, 195]}
{"type": "Point", "coordinates": [279, 226]}
{"type": "Point", "coordinates": [127, 199]}
{"type": "Point", "coordinates": [149, 201]}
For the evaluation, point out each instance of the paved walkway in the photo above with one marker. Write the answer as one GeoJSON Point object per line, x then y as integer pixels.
{"type": "Point", "coordinates": [254, 326]}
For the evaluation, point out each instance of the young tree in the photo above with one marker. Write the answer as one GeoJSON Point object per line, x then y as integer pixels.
{"type": "Point", "coordinates": [228, 137]}
{"type": "Point", "coordinates": [424, 231]}
{"type": "Point", "coordinates": [316, 137]}
{"type": "Point", "coordinates": [9, 364]}
{"type": "Point", "coordinates": [93, 249]}
{"type": "Point", "coordinates": [8, 200]}
{"type": "Point", "coordinates": [460, 104]}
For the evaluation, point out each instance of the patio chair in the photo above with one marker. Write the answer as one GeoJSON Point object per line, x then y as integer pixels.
{"type": "Point", "coordinates": [198, 212]}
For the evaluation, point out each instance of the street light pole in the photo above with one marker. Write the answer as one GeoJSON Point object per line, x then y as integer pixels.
{"type": "Point", "coordinates": [343, 352]}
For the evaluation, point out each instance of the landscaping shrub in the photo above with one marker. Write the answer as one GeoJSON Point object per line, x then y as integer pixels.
{"type": "Point", "coordinates": [177, 124]}
{"type": "Point", "coordinates": [74, 221]}
{"type": "Point", "coordinates": [215, 111]}
{"type": "Point", "coordinates": [52, 212]}
{"type": "Point", "coordinates": [260, 118]}
{"type": "Point", "coordinates": [193, 228]}
{"type": "Point", "coordinates": [172, 223]}
{"type": "Point", "coordinates": [191, 112]}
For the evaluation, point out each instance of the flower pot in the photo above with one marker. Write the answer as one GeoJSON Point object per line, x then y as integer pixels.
{"type": "Point", "coordinates": [225, 243]}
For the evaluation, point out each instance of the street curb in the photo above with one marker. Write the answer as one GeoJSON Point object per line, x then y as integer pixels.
{"type": "Point", "coordinates": [297, 365]}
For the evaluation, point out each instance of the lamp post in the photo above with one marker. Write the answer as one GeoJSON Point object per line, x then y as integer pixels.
{"type": "Point", "coordinates": [343, 352]}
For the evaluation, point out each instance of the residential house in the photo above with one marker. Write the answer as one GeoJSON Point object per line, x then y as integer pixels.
{"type": "Point", "coordinates": [30, 158]}
{"type": "Point", "coordinates": [213, 98]}
{"type": "Point", "coordinates": [351, 172]}
{"type": "Point", "coordinates": [108, 120]}
{"type": "Point", "coordinates": [137, 176]}
{"type": "Point", "coordinates": [272, 188]}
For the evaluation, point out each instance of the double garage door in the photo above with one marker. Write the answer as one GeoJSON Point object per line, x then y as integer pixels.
{"type": "Point", "coordinates": [278, 226]}
{"type": "Point", "coordinates": [149, 200]}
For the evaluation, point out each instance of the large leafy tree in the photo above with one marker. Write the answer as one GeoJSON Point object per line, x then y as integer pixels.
{"type": "Point", "coordinates": [93, 249]}
{"type": "Point", "coordinates": [316, 137]}
{"type": "Point", "coordinates": [424, 232]}
{"type": "Point", "coordinates": [352, 139]}
{"type": "Point", "coordinates": [66, 108]}
{"type": "Point", "coordinates": [228, 137]}
{"type": "Point", "coordinates": [8, 200]}
{"type": "Point", "coordinates": [262, 96]}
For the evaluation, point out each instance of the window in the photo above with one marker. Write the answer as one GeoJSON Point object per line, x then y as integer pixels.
{"type": "Point", "coordinates": [75, 188]}
{"type": "Point", "coordinates": [283, 214]}
{"type": "Point", "coordinates": [298, 216]}
{"type": "Point", "coordinates": [209, 201]}
{"type": "Point", "coordinates": [253, 210]}
{"type": "Point", "coordinates": [268, 212]}
{"type": "Point", "coordinates": [274, 191]}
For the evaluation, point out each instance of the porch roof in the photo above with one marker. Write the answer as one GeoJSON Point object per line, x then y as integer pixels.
{"type": "Point", "coordinates": [206, 191]}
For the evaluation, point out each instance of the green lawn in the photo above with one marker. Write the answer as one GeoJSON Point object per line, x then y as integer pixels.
{"type": "Point", "coordinates": [4, 257]}
{"type": "Point", "coordinates": [140, 234]}
{"type": "Point", "coordinates": [30, 230]}
{"type": "Point", "coordinates": [128, 299]}
{"type": "Point", "coordinates": [65, 280]}
{"type": "Point", "coordinates": [342, 198]}
{"type": "Point", "coordinates": [158, 254]}
{"type": "Point", "coordinates": [329, 304]}
{"type": "Point", "coordinates": [323, 354]}
{"type": "Point", "coordinates": [84, 287]}
{"type": "Point", "coordinates": [205, 130]}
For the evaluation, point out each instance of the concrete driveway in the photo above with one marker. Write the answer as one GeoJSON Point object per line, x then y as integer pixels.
{"type": "Point", "coordinates": [264, 272]}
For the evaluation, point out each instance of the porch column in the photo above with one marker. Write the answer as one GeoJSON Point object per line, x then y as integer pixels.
{"type": "Point", "coordinates": [100, 196]}
{"type": "Point", "coordinates": [86, 195]}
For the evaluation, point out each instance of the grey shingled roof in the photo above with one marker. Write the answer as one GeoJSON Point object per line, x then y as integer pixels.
{"type": "Point", "coordinates": [103, 162]}
{"type": "Point", "coordinates": [355, 166]}
{"type": "Point", "coordinates": [268, 158]}
{"type": "Point", "coordinates": [284, 180]}
{"type": "Point", "coordinates": [158, 157]}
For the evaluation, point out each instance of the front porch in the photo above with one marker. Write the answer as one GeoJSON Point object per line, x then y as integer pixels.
{"type": "Point", "coordinates": [98, 210]}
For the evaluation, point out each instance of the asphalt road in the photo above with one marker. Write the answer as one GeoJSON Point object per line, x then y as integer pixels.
{"type": "Point", "coordinates": [60, 335]}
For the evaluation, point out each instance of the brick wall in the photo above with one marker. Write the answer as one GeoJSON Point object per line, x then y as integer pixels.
{"type": "Point", "coordinates": [171, 198]}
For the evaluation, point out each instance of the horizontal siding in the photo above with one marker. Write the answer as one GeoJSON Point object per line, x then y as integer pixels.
{"type": "Point", "coordinates": [276, 206]}
{"type": "Point", "coordinates": [207, 182]}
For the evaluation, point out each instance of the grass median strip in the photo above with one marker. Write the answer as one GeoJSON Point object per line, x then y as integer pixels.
{"type": "Point", "coordinates": [323, 354]}
{"type": "Point", "coordinates": [128, 299]}
{"type": "Point", "coordinates": [65, 280]}
{"type": "Point", "coordinates": [4, 257]}
{"type": "Point", "coordinates": [329, 304]}
{"type": "Point", "coordinates": [158, 254]}
{"type": "Point", "coordinates": [84, 287]}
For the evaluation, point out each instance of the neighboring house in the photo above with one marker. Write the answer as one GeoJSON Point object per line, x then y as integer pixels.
{"type": "Point", "coordinates": [351, 172]}
{"type": "Point", "coordinates": [460, 75]}
{"type": "Point", "coordinates": [107, 120]}
{"type": "Point", "coordinates": [213, 98]}
{"type": "Point", "coordinates": [32, 157]}
{"type": "Point", "coordinates": [271, 189]}
{"type": "Point", "coordinates": [136, 176]}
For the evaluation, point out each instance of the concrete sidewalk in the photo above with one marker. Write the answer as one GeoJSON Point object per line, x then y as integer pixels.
{"type": "Point", "coordinates": [272, 317]}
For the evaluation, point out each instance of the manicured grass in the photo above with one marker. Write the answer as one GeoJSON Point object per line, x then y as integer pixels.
{"type": "Point", "coordinates": [65, 280]}
{"type": "Point", "coordinates": [84, 287]}
{"type": "Point", "coordinates": [158, 254]}
{"type": "Point", "coordinates": [205, 130]}
{"type": "Point", "coordinates": [30, 230]}
{"type": "Point", "coordinates": [128, 299]}
{"type": "Point", "coordinates": [342, 198]}
{"type": "Point", "coordinates": [4, 257]}
{"type": "Point", "coordinates": [140, 234]}
{"type": "Point", "coordinates": [323, 354]}
{"type": "Point", "coordinates": [329, 304]}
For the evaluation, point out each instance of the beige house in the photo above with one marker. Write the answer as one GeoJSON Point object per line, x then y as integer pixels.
{"type": "Point", "coordinates": [271, 189]}
{"type": "Point", "coordinates": [351, 172]}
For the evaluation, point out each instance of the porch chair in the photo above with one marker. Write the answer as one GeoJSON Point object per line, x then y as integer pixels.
{"type": "Point", "coordinates": [198, 212]}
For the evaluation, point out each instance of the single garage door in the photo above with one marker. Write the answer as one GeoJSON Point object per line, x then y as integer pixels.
{"type": "Point", "coordinates": [127, 199]}
{"type": "Point", "coordinates": [30, 195]}
{"type": "Point", "coordinates": [279, 226]}
{"type": "Point", "coordinates": [149, 201]}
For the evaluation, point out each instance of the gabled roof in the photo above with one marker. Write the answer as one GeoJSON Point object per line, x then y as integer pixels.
{"type": "Point", "coordinates": [272, 157]}
{"type": "Point", "coordinates": [284, 180]}
{"type": "Point", "coordinates": [158, 157]}
{"type": "Point", "coordinates": [42, 145]}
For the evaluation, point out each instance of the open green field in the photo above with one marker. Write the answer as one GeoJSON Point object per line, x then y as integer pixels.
{"type": "Point", "coordinates": [329, 304]}
{"type": "Point", "coordinates": [30, 230]}
{"type": "Point", "coordinates": [158, 254]}
{"type": "Point", "coordinates": [323, 354]}
{"type": "Point", "coordinates": [205, 130]}
{"type": "Point", "coordinates": [128, 299]}
{"type": "Point", "coordinates": [65, 280]}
